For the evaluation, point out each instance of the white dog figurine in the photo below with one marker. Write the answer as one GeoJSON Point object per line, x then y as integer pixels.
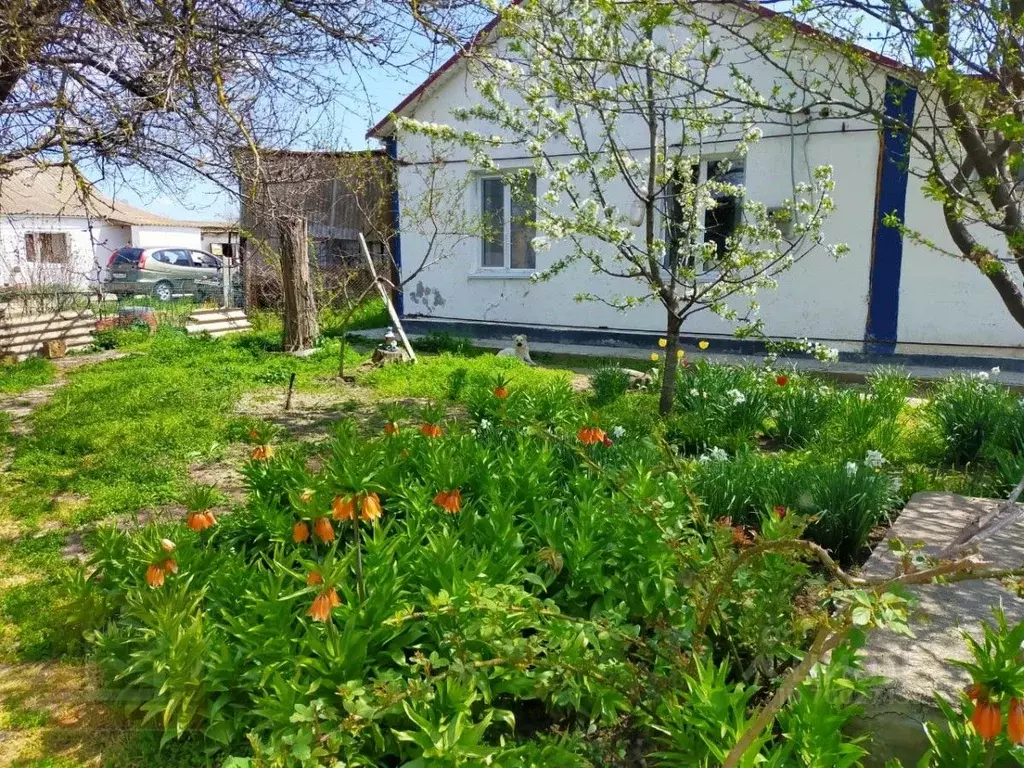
{"type": "Point", "coordinates": [518, 349]}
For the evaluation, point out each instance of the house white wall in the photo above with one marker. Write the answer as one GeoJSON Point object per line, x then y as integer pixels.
{"type": "Point", "coordinates": [155, 236]}
{"type": "Point", "coordinates": [941, 300]}
{"type": "Point", "coordinates": [90, 243]}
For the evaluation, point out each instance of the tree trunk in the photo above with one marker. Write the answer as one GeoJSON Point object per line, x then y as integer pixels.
{"type": "Point", "coordinates": [671, 370]}
{"type": "Point", "coordinates": [300, 324]}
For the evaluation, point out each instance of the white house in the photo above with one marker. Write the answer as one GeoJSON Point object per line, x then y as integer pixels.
{"type": "Point", "coordinates": [888, 295]}
{"type": "Point", "coordinates": [53, 233]}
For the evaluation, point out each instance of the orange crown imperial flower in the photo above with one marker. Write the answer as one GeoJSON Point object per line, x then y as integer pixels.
{"type": "Point", "coordinates": [987, 719]}
{"type": "Point", "coordinates": [449, 501]}
{"type": "Point", "coordinates": [1015, 725]}
{"type": "Point", "coordinates": [300, 532]}
{"type": "Point", "coordinates": [431, 430]}
{"type": "Point", "coordinates": [591, 435]}
{"type": "Point", "coordinates": [332, 597]}
{"type": "Point", "coordinates": [391, 429]}
{"type": "Point", "coordinates": [344, 508]}
{"type": "Point", "coordinates": [501, 392]}
{"type": "Point", "coordinates": [170, 565]}
{"type": "Point", "coordinates": [320, 610]}
{"type": "Point", "coordinates": [167, 545]}
{"type": "Point", "coordinates": [155, 576]}
{"type": "Point", "coordinates": [323, 529]}
{"type": "Point", "coordinates": [262, 452]}
{"type": "Point", "coordinates": [371, 509]}
{"type": "Point", "coordinates": [200, 521]}
{"type": "Point", "coordinates": [314, 578]}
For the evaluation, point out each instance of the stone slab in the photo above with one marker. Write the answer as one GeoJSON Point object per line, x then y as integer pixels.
{"type": "Point", "coordinates": [917, 669]}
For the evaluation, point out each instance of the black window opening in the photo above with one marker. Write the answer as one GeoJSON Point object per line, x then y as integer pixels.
{"type": "Point", "coordinates": [718, 222]}
{"type": "Point", "coordinates": [126, 256]}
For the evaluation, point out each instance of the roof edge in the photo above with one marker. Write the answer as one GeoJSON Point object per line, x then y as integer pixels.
{"type": "Point", "coordinates": [385, 127]}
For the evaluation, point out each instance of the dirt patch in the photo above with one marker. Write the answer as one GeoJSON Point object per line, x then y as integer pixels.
{"type": "Point", "coordinates": [55, 712]}
{"type": "Point", "coordinates": [311, 415]}
{"type": "Point", "coordinates": [222, 475]}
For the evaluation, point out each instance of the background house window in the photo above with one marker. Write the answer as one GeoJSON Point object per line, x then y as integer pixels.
{"type": "Point", "coordinates": [719, 222]}
{"type": "Point", "coordinates": [47, 247]}
{"type": "Point", "coordinates": [509, 224]}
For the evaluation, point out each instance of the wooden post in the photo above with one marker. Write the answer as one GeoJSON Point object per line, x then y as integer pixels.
{"type": "Point", "coordinates": [300, 323]}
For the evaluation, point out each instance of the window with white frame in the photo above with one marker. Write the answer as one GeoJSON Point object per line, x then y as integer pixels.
{"type": "Point", "coordinates": [509, 224]}
{"type": "Point", "coordinates": [717, 223]}
{"type": "Point", "coordinates": [47, 247]}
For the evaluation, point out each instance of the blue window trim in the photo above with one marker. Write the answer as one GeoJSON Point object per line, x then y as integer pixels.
{"type": "Point", "coordinates": [391, 147]}
{"type": "Point", "coordinates": [880, 333]}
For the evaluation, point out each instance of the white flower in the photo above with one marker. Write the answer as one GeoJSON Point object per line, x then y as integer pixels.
{"type": "Point", "coordinates": [851, 467]}
{"type": "Point", "coordinates": [696, 393]}
{"type": "Point", "coordinates": [618, 432]}
{"type": "Point", "coordinates": [981, 376]}
{"type": "Point", "coordinates": [995, 371]}
{"type": "Point", "coordinates": [541, 243]}
{"type": "Point", "coordinates": [737, 396]}
{"type": "Point", "coordinates": [718, 454]}
{"type": "Point", "coordinates": [874, 459]}
{"type": "Point", "coordinates": [484, 423]}
{"type": "Point", "coordinates": [895, 483]}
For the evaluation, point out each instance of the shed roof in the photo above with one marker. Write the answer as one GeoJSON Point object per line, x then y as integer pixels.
{"type": "Point", "coordinates": [27, 189]}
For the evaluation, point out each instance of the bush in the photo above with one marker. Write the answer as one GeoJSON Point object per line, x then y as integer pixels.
{"type": "Point", "coordinates": [975, 418]}
{"type": "Point", "coordinates": [440, 341]}
{"type": "Point", "coordinates": [609, 383]}
{"type": "Point", "coordinates": [522, 596]}
{"type": "Point", "coordinates": [720, 406]}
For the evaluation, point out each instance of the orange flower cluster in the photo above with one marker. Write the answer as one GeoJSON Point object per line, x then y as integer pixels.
{"type": "Point", "coordinates": [501, 392]}
{"type": "Point", "coordinates": [156, 572]}
{"type": "Point", "coordinates": [200, 521]}
{"type": "Point", "coordinates": [369, 509]}
{"type": "Point", "coordinates": [323, 603]}
{"type": "Point", "coordinates": [591, 435]}
{"type": "Point", "coordinates": [323, 529]}
{"type": "Point", "coordinates": [300, 532]}
{"type": "Point", "coordinates": [782, 380]}
{"type": "Point", "coordinates": [987, 718]}
{"type": "Point", "coordinates": [449, 501]}
{"type": "Point", "coordinates": [391, 429]}
{"type": "Point", "coordinates": [262, 452]}
{"type": "Point", "coordinates": [431, 430]}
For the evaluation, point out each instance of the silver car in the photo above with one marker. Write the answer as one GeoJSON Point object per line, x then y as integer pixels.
{"type": "Point", "coordinates": [163, 273]}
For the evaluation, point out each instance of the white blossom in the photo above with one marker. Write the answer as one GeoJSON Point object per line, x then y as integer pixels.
{"type": "Point", "coordinates": [981, 375]}
{"type": "Point", "coordinates": [618, 431]}
{"type": "Point", "coordinates": [737, 396]}
{"type": "Point", "coordinates": [874, 459]}
{"type": "Point", "coordinates": [895, 483]}
{"type": "Point", "coordinates": [484, 424]}
{"type": "Point", "coordinates": [995, 371]}
{"type": "Point", "coordinates": [851, 467]}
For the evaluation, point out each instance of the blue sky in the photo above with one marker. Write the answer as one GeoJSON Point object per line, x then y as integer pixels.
{"type": "Point", "coordinates": [370, 95]}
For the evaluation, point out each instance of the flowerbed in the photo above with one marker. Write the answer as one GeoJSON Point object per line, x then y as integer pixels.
{"type": "Point", "coordinates": [558, 579]}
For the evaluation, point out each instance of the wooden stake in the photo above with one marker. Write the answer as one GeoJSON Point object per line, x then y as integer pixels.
{"type": "Point", "coordinates": [384, 294]}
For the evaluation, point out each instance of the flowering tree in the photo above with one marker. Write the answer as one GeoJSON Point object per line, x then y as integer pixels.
{"type": "Point", "coordinates": [641, 153]}
{"type": "Point", "coordinates": [965, 64]}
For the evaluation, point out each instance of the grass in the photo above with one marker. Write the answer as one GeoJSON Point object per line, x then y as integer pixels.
{"type": "Point", "coordinates": [16, 378]}
{"type": "Point", "coordinates": [120, 436]}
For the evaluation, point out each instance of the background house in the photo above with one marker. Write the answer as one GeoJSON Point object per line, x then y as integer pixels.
{"type": "Point", "coordinates": [340, 194]}
{"type": "Point", "coordinates": [54, 233]}
{"type": "Point", "coordinates": [888, 295]}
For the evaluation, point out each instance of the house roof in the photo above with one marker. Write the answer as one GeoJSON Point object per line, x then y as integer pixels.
{"type": "Point", "coordinates": [385, 126]}
{"type": "Point", "coordinates": [30, 190]}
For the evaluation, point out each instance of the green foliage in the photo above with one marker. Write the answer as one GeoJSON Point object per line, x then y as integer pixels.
{"type": "Point", "coordinates": [976, 418]}
{"type": "Point", "coordinates": [609, 383]}
{"type": "Point", "coordinates": [16, 378]}
{"type": "Point", "coordinates": [558, 595]}
{"type": "Point", "coordinates": [439, 341]}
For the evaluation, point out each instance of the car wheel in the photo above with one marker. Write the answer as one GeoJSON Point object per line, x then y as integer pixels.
{"type": "Point", "coordinates": [163, 291]}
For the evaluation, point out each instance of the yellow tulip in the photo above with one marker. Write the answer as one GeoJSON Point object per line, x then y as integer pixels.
{"type": "Point", "coordinates": [662, 343]}
{"type": "Point", "coordinates": [654, 357]}
{"type": "Point", "coordinates": [703, 344]}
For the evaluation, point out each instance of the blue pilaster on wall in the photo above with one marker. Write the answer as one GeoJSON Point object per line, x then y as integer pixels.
{"type": "Point", "coordinates": [391, 147]}
{"type": "Point", "coordinates": [890, 197]}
